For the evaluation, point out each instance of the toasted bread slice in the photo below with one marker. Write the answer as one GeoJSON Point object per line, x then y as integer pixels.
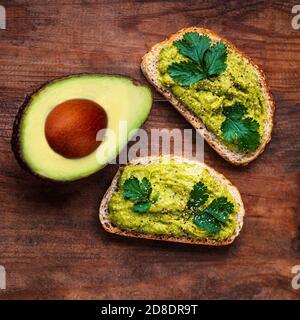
{"type": "Point", "coordinates": [109, 227]}
{"type": "Point", "coordinates": [149, 68]}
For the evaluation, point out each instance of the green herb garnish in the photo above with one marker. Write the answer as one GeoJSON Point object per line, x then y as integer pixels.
{"type": "Point", "coordinates": [139, 193]}
{"type": "Point", "coordinates": [193, 46]}
{"type": "Point", "coordinates": [215, 59]}
{"type": "Point", "coordinates": [219, 209]}
{"type": "Point", "coordinates": [239, 130]}
{"type": "Point", "coordinates": [198, 196]}
{"type": "Point", "coordinates": [214, 215]}
{"type": "Point", "coordinates": [207, 222]}
{"type": "Point", "coordinates": [186, 73]}
{"type": "Point", "coordinates": [206, 60]}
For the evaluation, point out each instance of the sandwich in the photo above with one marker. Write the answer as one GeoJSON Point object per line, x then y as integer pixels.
{"type": "Point", "coordinates": [171, 198]}
{"type": "Point", "coordinates": [217, 88]}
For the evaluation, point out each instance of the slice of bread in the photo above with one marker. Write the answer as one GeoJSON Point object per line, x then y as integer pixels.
{"type": "Point", "coordinates": [149, 68]}
{"type": "Point", "coordinates": [111, 228]}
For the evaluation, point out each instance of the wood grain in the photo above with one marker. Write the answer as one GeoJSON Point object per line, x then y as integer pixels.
{"type": "Point", "coordinates": [51, 243]}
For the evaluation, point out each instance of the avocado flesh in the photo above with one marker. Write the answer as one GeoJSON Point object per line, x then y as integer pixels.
{"type": "Point", "coordinates": [122, 100]}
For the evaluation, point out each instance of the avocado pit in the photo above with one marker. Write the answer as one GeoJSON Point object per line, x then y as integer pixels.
{"type": "Point", "coordinates": [72, 126]}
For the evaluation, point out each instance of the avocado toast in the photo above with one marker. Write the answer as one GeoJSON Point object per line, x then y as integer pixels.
{"type": "Point", "coordinates": [170, 215]}
{"type": "Point", "coordinates": [229, 87]}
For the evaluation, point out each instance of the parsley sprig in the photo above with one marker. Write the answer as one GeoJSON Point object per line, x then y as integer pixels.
{"type": "Point", "coordinates": [206, 60]}
{"type": "Point", "coordinates": [198, 196]}
{"type": "Point", "coordinates": [240, 130]}
{"type": "Point", "coordinates": [214, 215]}
{"type": "Point", "coordinates": [139, 193]}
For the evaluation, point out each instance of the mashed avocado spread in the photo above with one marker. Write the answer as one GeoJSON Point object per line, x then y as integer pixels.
{"type": "Point", "coordinates": [169, 216]}
{"type": "Point", "coordinates": [207, 98]}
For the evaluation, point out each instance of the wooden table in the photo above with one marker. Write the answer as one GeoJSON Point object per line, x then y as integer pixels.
{"type": "Point", "coordinates": [51, 242]}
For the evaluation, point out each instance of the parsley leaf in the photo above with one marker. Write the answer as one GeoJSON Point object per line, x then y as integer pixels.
{"type": "Point", "coordinates": [141, 207]}
{"type": "Point", "coordinates": [198, 196]}
{"type": "Point", "coordinates": [214, 215]}
{"type": "Point", "coordinates": [186, 73]}
{"type": "Point", "coordinates": [219, 209]}
{"type": "Point", "coordinates": [238, 130]}
{"type": "Point", "coordinates": [139, 193]}
{"type": "Point", "coordinates": [207, 222]}
{"type": "Point", "coordinates": [135, 191]}
{"type": "Point", "coordinates": [215, 59]}
{"type": "Point", "coordinates": [206, 60]}
{"type": "Point", "coordinates": [193, 46]}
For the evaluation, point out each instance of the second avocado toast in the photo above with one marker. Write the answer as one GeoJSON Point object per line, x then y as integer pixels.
{"type": "Point", "coordinates": [193, 203]}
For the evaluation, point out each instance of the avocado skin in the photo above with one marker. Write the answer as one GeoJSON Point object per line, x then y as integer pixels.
{"type": "Point", "coordinates": [15, 138]}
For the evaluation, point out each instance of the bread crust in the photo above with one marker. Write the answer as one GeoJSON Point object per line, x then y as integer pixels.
{"type": "Point", "coordinates": [149, 68]}
{"type": "Point", "coordinates": [109, 227]}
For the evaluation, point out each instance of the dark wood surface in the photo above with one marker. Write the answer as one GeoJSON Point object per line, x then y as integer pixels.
{"type": "Point", "coordinates": [51, 242]}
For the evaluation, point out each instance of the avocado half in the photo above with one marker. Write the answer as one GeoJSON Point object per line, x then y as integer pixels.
{"type": "Point", "coordinates": [123, 100]}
